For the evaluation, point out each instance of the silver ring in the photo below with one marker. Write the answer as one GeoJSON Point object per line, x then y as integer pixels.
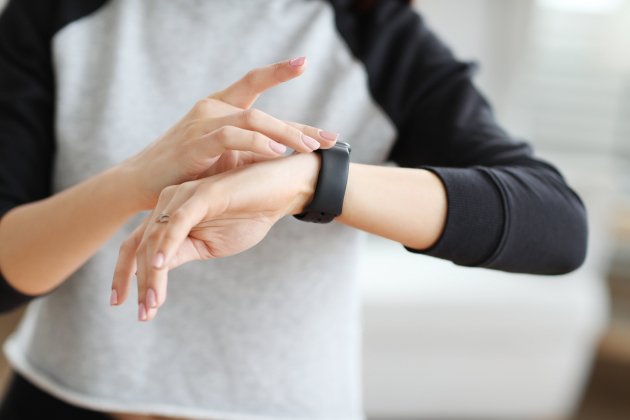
{"type": "Point", "coordinates": [162, 218]}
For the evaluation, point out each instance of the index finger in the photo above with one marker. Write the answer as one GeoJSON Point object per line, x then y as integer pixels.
{"type": "Point", "coordinates": [244, 92]}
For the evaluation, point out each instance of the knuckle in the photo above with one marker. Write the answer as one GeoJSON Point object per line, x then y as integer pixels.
{"type": "Point", "coordinates": [223, 134]}
{"type": "Point", "coordinates": [250, 117]}
{"type": "Point", "coordinates": [295, 126]}
{"type": "Point", "coordinates": [125, 246]}
{"type": "Point", "coordinates": [178, 216]}
{"type": "Point", "coordinates": [168, 238]}
{"type": "Point", "coordinates": [166, 193]}
{"type": "Point", "coordinates": [292, 133]}
{"type": "Point", "coordinates": [250, 77]}
{"type": "Point", "coordinates": [186, 187]}
{"type": "Point", "coordinates": [277, 72]}
{"type": "Point", "coordinates": [203, 105]}
{"type": "Point", "coordinates": [153, 237]}
{"type": "Point", "coordinates": [215, 98]}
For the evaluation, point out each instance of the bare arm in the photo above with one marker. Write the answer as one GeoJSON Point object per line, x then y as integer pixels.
{"type": "Point", "coordinates": [42, 243]}
{"type": "Point", "coordinates": [402, 204]}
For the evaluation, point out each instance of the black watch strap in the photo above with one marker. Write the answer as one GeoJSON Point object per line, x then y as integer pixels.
{"type": "Point", "coordinates": [331, 185]}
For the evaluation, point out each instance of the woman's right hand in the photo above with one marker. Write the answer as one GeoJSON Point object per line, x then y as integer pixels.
{"type": "Point", "coordinates": [222, 132]}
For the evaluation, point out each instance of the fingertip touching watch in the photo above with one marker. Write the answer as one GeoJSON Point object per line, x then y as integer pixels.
{"type": "Point", "coordinates": [329, 193]}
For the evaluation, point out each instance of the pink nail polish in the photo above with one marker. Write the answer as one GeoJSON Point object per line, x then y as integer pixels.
{"type": "Point", "coordinates": [310, 142]}
{"type": "Point", "coordinates": [158, 260]}
{"type": "Point", "coordinates": [142, 312]}
{"type": "Point", "coordinates": [328, 135]}
{"type": "Point", "coordinates": [113, 299]}
{"type": "Point", "coordinates": [297, 62]}
{"type": "Point", "coordinates": [151, 299]}
{"type": "Point", "coordinates": [277, 147]}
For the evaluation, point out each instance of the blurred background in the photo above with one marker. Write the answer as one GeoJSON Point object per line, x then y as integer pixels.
{"type": "Point", "coordinates": [445, 342]}
{"type": "Point", "coordinates": [442, 341]}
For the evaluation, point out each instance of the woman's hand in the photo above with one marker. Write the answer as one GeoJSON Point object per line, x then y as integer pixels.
{"type": "Point", "coordinates": [208, 218]}
{"type": "Point", "coordinates": [221, 132]}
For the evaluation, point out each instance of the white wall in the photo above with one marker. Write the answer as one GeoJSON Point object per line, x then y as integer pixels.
{"type": "Point", "coordinates": [559, 78]}
{"type": "Point", "coordinates": [490, 32]}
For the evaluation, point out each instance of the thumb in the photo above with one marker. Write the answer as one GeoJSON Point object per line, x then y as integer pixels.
{"type": "Point", "coordinates": [245, 91]}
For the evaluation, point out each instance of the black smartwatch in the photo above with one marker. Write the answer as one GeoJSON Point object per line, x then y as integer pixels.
{"type": "Point", "coordinates": [331, 185]}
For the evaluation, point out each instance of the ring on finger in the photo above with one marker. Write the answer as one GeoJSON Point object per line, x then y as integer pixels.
{"type": "Point", "coordinates": [163, 218]}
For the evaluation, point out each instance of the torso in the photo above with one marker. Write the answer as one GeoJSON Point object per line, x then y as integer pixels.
{"type": "Point", "coordinates": [270, 330]}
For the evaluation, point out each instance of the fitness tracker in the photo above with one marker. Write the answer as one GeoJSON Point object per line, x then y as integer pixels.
{"type": "Point", "coordinates": [331, 185]}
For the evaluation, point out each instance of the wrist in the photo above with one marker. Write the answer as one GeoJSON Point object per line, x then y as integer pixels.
{"type": "Point", "coordinates": [327, 202]}
{"type": "Point", "coordinates": [124, 179]}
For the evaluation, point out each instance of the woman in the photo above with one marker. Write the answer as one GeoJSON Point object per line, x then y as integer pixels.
{"type": "Point", "coordinates": [271, 332]}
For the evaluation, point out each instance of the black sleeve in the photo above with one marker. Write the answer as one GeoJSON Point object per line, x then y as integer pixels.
{"type": "Point", "coordinates": [507, 210]}
{"type": "Point", "coordinates": [27, 99]}
{"type": "Point", "coordinates": [26, 114]}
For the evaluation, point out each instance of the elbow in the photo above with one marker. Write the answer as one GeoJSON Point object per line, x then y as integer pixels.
{"type": "Point", "coordinates": [11, 298]}
{"type": "Point", "coordinates": [554, 242]}
{"type": "Point", "coordinates": [572, 250]}
{"type": "Point", "coordinates": [571, 261]}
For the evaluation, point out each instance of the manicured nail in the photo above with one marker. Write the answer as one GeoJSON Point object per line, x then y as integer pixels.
{"type": "Point", "coordinates": [310, 142]}
{"type": "Point", "coordinates": [113, 299]}
{"type": "Point", "coordinates": [328, 135]}
{"type": "Point", "coordinates": [158, 260]}
{"type": "Point", "coordinates": [277, 147]}
{"type": "Point", "coordinates": [297, 62]}
{"type": "Point", "coordinates": [142, 312]}
{"type": "Point", "coordinates": [151, 298]}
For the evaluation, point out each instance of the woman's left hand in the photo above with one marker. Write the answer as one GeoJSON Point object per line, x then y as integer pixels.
{"type": "Point", "coordinates": [208, 218]}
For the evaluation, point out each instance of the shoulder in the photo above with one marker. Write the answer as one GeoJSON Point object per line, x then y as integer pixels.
{"type": "Point", "coordinates": [45, 17]}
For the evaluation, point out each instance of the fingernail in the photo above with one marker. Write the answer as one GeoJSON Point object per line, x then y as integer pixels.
{"type": "Point", "coordinates": [151, 299]}
{"type": "Point", "coordinates": [158, 260]}
{"type": "Point", "coordinates": [142, 312]}
{"type": "Point", "coordinates": [310, 142]}
{"type": "Point", "coordinates": [277, 147]}
{"type": "Point", "coordinates": [297, 62]}
{"type": "Point", "coordinates": [113, 299]}
{"type": "Point", "coordinates": [328, 135]}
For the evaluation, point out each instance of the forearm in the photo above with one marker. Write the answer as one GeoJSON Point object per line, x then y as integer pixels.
{"type": "Point", "coordinates": [405, 205]}
{"type": "Point", "coordinates": [43, 242]}
{"type": "Point", "coordinates": [402, 204]}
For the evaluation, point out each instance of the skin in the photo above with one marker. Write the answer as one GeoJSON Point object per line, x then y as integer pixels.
{"type": "Point", "coordinates": [231, 212]}
{"type": "Point", "coordinates": [219, 133]}
{"type": "Point", "coordinates": [244, 209]}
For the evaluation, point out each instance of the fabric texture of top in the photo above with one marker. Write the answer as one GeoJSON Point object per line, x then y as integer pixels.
{"type": "Point", "coordinates": [270, 333]}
